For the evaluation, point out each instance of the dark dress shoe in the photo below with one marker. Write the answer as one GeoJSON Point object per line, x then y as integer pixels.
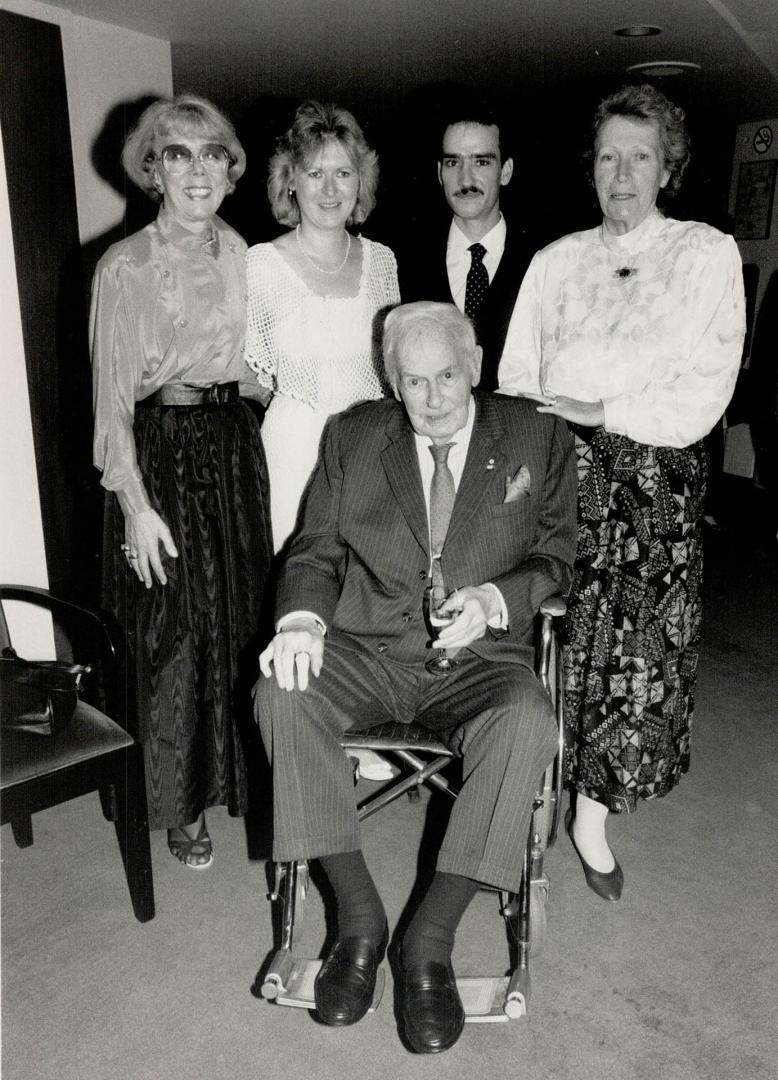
{"type": "Point", "coordinates": [608, 886]}
{"type": "Point", "coordinates": [343, 990]}
{"type": "Point", "coordinates": [431, 1007]}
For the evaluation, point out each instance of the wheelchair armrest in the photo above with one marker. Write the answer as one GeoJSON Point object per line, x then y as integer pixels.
{"type": "Point", "coordinates": [554, 606]}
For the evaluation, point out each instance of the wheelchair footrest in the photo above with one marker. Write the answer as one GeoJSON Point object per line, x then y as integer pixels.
{"type": "Point", "coordinates": [295, 985]}
{"type": "Point", "coordinates": [490, 999]}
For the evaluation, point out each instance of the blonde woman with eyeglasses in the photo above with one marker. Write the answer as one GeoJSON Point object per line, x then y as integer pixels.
{"type": "Point", "coordinates": [188, 541]}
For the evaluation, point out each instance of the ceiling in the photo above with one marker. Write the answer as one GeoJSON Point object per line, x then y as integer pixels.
{"type": "Point", "coordinates": [383, 51]}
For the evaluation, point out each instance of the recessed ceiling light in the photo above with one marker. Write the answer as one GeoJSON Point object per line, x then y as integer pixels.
{"type": "Point", "coordinates": [638, 30]}
{"type": "Point", "coordinates": [665, 67]}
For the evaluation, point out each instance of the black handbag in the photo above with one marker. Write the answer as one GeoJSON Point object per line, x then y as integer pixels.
{"type": "Point", "coordinates": [37, 696]}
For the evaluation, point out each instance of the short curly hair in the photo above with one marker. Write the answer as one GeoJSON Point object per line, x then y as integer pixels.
{"type": "Point", "coordinates": [645, 102]}
{"type": "Point", "coordinates": [455, 326]}
{"type": "Point", "coordinates": [182, 113]}
{"type": "Point", "coordinates": [313, 126]}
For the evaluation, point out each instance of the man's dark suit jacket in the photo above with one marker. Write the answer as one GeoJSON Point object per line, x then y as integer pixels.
{"type": "Point", "coordinates": [422, 275]}
{"type": "Point", "coordinates": [360, 559]}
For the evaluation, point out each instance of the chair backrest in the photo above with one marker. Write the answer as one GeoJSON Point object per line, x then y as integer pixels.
{"type": "Point", "coordinates": [82, 635]}
{"type": "Point", "coordinates": [5, 637]}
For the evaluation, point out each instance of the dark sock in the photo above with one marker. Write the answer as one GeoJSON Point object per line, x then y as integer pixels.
{"type": "Point", "coordinates": [360, 911]}
{"type": "Point", "coordinates": [430, 935]}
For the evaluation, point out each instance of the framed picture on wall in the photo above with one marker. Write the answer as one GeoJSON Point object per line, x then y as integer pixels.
{"type": "Point", "coordinates": [754, 199]}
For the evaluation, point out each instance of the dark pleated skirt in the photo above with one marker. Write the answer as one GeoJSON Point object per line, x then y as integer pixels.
{"type": "Point", "coordinates": [193, 642]}
{"type": "Point", "coordinates": [633, 624]}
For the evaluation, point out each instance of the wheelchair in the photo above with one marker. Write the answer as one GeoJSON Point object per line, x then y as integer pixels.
{"type": "Point", "coordinates": [289, 979]}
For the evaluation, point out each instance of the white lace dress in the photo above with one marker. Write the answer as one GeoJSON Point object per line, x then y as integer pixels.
{"type": "Point", "coordinates": [318, 355]}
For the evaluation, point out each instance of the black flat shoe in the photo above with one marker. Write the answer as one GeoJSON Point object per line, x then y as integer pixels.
{"type": "Point", "coordinates": [343, 990]}
{"type": "Point", "coordinates": [608, 886]}
{"type": "Point", "coordinates": [431, 1007]}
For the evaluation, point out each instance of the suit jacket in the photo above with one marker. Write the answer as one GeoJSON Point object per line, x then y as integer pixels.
{"type": "Point", "coordinates": [360, 558]}
{"type": "Point", "coordinates": [422, 275]}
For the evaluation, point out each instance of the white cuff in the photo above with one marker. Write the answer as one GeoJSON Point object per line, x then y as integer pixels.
{"type": "Point", "coordinates": [286, 619]}
{"type": "Point", "coordinates": [500, 623]}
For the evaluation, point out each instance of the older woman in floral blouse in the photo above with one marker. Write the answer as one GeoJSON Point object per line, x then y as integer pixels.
{"type": "Point", "coordinates": [633, 333]}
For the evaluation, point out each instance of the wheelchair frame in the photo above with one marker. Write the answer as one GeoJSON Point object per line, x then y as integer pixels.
{"type": "Point", "coordinates": [289, 980]}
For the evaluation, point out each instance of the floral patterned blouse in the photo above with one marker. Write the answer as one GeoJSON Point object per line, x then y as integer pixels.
{"type": "Point", "coordinates": [651, 323]}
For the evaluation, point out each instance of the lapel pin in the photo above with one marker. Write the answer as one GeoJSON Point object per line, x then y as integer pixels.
{"type": "Point", "coordinates": [490, 464]}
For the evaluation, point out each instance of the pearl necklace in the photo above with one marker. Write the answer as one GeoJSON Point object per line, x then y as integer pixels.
{"type": "Point", "coordinates": [321, 269]}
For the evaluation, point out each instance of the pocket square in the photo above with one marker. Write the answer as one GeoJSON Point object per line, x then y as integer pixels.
{"type": "Point", "coordinates": [518, 485]}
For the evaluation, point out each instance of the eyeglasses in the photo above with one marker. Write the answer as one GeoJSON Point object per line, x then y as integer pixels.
{"type": "Point", "coordinates": [177, 159]}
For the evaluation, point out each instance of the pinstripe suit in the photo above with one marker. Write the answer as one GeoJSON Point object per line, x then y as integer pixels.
{"type": "Point", "coordinates": [360, 561]}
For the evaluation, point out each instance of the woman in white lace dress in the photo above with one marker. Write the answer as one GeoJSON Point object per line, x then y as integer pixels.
{"type": "Point", "coordinates": [316, 297]}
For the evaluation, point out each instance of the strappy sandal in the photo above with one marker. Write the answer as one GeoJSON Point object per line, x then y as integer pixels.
{"type": "Point", "coordinates": [185, 846]}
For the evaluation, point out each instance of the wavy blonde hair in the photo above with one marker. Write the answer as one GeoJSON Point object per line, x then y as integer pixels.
{"type": "Point", "coordinates": [183, 113]}
{"type": "Point", "coordinates": [313, 126]}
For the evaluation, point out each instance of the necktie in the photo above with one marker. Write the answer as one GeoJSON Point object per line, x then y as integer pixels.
{"type": "Point", "coordinates": [442, 495]}
{"type": "Point", "coordinates": [477, 280]}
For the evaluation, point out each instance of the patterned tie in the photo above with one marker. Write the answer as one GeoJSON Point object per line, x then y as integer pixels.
{"type": "Point", "coordinates": [442, 495]}
{"type": "Point", "coordinates": [477, 280]}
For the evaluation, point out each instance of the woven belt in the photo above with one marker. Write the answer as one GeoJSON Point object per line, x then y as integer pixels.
{"type": "Point", "coordinates": [181, 394]}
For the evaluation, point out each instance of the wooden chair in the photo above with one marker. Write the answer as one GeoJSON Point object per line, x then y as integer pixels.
{"type": "Point", "coordinates": [93, 753]}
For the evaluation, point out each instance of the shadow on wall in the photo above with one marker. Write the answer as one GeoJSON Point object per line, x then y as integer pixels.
{"type": "Point", "coordinates": [106, 155]}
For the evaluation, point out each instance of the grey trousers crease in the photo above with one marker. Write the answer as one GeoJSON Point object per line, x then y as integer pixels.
{"type": "Point", "coordinates": [494, 715]}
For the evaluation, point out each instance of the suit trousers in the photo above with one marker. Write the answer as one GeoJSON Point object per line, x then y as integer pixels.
{"type": "Point", "coordinates": [494, 715]}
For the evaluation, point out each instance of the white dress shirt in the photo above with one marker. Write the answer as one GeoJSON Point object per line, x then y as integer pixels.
{"type": "Point", "coordinates": [459, 258]}
{"type": "Point", "coordinates": [651, 323]}
{"type": "Point", "coordinates": [457, 456]}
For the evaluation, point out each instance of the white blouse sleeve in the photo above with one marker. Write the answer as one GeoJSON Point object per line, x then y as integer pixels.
{"type": "Point", "coordinates": [686, 406]}
{"type": "Point", "coordinates": [262, 304]}
{"type": "Point", "coordinates": [389, 277]}
{"type": "Point", "coordinates": [519, 369]}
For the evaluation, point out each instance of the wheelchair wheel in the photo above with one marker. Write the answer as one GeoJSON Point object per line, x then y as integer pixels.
{"type": "Point", "coordinates": [538, 897]}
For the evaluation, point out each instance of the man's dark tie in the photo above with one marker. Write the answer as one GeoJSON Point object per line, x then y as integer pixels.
{"type": "Point", "coordinates": [442, 496]}
{"type": "Point", "coordinates": [477, 280]}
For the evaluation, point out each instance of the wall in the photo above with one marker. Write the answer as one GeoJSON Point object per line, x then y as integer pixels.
{"type": "Point", "coordinates": [104, 66]}
{"type": "Point", "coordinates": [762, 251]}
{"type": "Point", "coordinates": [754, 142]}
{"type": "Point", "coordinates": [22, 558]}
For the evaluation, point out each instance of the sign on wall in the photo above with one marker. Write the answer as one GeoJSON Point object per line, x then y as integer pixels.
{"type": "Point", "coordinates": [754, 198]}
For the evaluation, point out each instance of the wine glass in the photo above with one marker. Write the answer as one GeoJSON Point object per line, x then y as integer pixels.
{"type": "Point", "coordinates": [434, 598]}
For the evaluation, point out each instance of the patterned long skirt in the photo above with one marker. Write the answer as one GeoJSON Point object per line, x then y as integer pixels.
{"type": "Point", "coordinates": [192, 642]}
{"type": "Point", "coordinates": [633, 625]}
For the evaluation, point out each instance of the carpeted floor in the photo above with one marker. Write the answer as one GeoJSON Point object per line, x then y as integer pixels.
{"type": "Point", "coordinates": [676, 981]}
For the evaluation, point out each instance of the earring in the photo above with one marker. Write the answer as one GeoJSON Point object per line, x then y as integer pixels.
{"type": "Point", "coordinates": [291, 192]}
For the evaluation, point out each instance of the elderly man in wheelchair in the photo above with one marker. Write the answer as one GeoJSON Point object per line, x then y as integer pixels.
{"type": "Point", "coordinates": [434, 527]}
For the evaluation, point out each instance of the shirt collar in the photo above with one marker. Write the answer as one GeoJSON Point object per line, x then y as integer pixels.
{"type": "Point", "coordinates": [176, 234]}
{"type": "Point", "coordinates": [636, 238]}
{"type": "Point", "coordinates": [458, 243]}
{"type": "Point", "coordinates": [461, 436]}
